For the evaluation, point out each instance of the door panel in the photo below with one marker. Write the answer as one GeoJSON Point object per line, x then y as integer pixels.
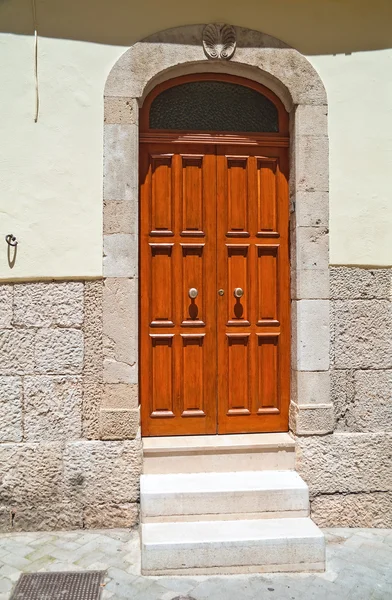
{"type": "Point", "coordinates": [214, 217]}
{"type": "Point", "coordinates": [253, 329]}
{"type": "Point", "coordinates": [178, 252]}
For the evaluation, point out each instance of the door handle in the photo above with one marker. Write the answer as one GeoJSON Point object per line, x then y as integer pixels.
{"type": "Point", "coordinates": [238, 292]}
{"type": "Point", "coordinates": [193, 293]}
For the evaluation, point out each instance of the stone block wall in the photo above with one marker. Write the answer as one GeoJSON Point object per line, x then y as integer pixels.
{"type": "Point", "coordinates": [70, 454]}
{"type": "Point", "coordinates": [349, 471]}
{"type": "Point", "coordinates": [70, 451]}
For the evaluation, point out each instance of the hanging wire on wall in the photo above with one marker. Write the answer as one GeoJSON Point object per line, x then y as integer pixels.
{"type": "Point", "coordinates": [35, 60]}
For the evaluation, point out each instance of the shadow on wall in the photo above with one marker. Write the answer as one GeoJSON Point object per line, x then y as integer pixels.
{"type": "Point", "coordinates": [310, 26]}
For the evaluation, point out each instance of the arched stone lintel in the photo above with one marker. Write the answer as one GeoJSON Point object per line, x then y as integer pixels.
{"type": "Point", "coordinates": [179, 51]}
{"type": "Point", "coordinates": [290, 75]}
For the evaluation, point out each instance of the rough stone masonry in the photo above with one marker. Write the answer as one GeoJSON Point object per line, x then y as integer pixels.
{"type": "Point", "coordinates": [70, 447]}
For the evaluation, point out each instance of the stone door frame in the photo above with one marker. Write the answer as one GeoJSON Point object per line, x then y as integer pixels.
{"type": "Point", "coordinates": [293, 79]}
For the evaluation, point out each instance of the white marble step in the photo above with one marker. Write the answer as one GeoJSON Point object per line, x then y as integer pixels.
{"type": "Point", "coordinates": [242, 546]}
{"type": "Point", "coordinates": [223, 453]}
{"type": "Point", "coordinates": [238, 495]}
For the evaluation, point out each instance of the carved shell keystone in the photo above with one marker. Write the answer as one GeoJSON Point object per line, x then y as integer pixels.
{"type": "Point", "coordinates": [219, 41]}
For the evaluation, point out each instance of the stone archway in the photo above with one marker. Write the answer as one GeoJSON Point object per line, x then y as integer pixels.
{"type": "Point", "coordinates": [289, 74]}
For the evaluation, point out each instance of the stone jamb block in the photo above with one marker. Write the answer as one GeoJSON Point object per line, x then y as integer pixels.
{"type": "Point", "coordinates": [120, 395]}
{"type": "Point", "coordinates": [311, 387]}
{"type": "Point", "coordinates": [119, 423]}
{"type": "Point", "coordinates": [311, 419]}
{"type": "Point", "coordinates": [119, 216]}
{"type": "Point", "coordinates": [311, 249]}
{"type": "Point", "coordinates": [310, 284]}
{"type": "Point", "coordinates": [120, 320]}
{"type": "Point", "coordinates": [119, 372]}
{"type": "Point", "coordinates": [120, 111]}
{"type": "Point", "coordinates": [311, 209]}
{"type": "Point", "coordinates": [311, 164]}
{"type": "Point", "coordinates": [311, 120]}
{"type": "Point", "coordinates": [121, 151]}
{"type": "Point", "coordinates": [310, 330]}
{"type": "Point", "coordinates": [120, 252]}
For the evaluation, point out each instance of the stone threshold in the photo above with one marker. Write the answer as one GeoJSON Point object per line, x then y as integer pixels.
{"type": "Point", "coordinates": [204, 444]}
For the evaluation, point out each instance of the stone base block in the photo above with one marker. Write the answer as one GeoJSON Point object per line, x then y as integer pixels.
{"type": "Point", "coordinates": [372, 509]}
{"type": "Point", "coordinates": [111, 515]}
{"type": "Point", "coordinates": [345, 463]}
{"type": "Point", "coordinates": [119, 424]}
{"type": "Point", "coordinates": [44, 517]}
{"type": "Point", "coordinates": [311, 419]}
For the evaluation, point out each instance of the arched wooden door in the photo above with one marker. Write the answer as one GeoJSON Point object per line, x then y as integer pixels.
{"type": "Point", "coordinates": [214, 258]}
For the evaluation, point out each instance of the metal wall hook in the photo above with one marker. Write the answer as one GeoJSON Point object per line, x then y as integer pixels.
{"type": "Point", "coordinates": [11, 240]}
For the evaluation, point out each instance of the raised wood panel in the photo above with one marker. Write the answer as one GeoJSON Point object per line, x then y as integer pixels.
{"type": "Point", "coordinates": [237, 196]}
{"type": "Point", "coordinates": [193, 277]}
{"type": "Point", "coordinates": [162, 201]}
{"type": "Point", "coordinates": [268, 374]}
{"type": "Point", "coordinates": [267, 210]}
{"type": "Point", "coordinates": [192, 195]}
{"type": "Point", "coordinates": [161, 288]}
{"type": "Point", "coordinates": [162, 373]}
{"type": "Point", "coordinates": [237, 277]}
{"type": "Point", "coordinates": [267, 284]}
{"type": "Point", "coordinates": [193, 375]}
{"type": "Point", "coordinates": [238, 364]}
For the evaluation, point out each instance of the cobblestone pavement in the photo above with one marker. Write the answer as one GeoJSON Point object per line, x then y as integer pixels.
{"type": "Point", "coordinates": [359, 567]}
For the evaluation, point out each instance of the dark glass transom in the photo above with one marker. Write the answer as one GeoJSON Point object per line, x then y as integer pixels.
{"type": "Point", "coordinates": [213, 106]}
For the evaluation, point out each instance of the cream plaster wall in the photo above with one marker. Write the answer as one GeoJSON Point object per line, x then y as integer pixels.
{"type": "Point", "coordinates": [51, 172]}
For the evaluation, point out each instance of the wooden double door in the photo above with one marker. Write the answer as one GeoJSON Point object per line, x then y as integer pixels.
{"type": "Point", "coordinates": [215, 299]}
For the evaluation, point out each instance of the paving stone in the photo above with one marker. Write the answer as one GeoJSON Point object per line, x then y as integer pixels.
{"type": "Point", "coordinates": [358, 568]}
{"type": "Point", "coordinates": [10, 573]}
{"type": "Point", "coordinates": [5, 585]}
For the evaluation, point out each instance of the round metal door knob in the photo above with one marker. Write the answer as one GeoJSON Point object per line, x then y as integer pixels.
{"type": "Point", "coordinates": [238, 292]}
{"type": "Point", "coordinates": [193, 293]}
